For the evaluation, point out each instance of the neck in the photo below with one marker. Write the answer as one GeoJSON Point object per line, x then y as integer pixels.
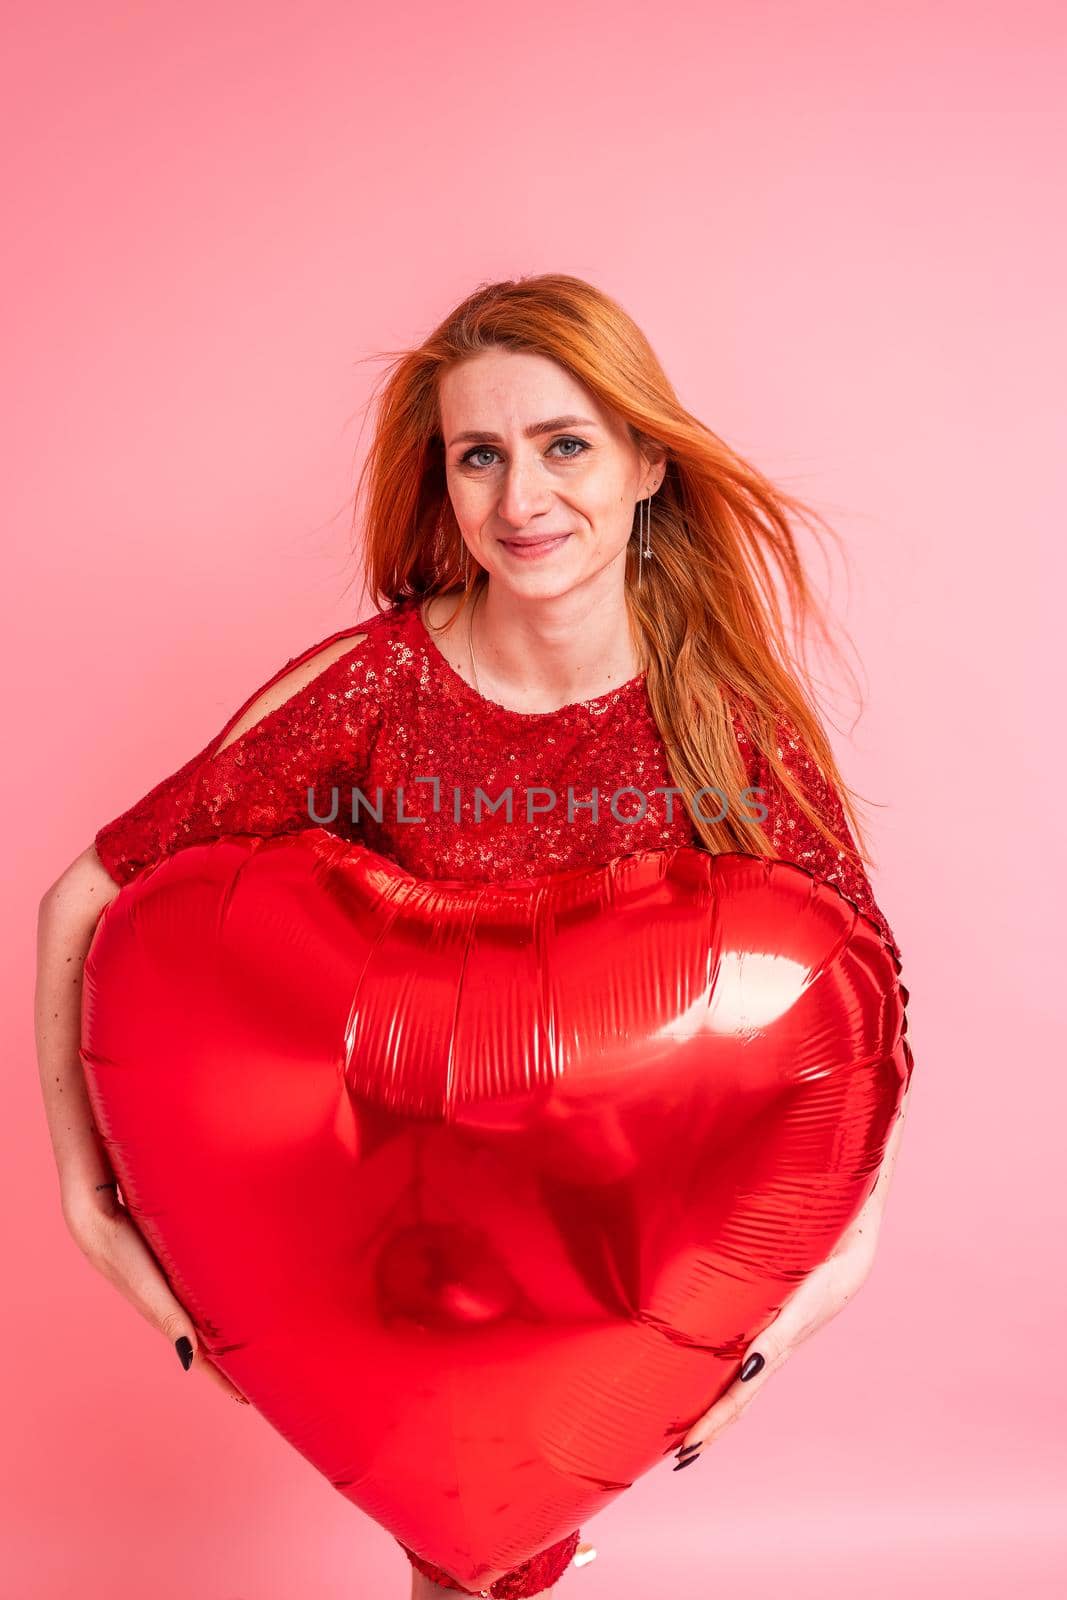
{"type": "Point", "coordinates": [549, 653]}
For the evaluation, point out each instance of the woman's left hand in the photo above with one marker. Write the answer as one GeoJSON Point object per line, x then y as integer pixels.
{"type": "Point", "coordinates": [823, 1293]}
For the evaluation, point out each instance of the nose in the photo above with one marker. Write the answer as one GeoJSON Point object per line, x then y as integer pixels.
{"type": "Point", "coordinates": [524, 493]}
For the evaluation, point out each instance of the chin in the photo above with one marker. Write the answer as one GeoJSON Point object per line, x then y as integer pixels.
{"type": "Point", "coordinates": [535, 585]}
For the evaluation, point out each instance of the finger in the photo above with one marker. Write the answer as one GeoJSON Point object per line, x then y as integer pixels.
{"type": "Point", "coordinates": [126, 1260]}
{"type": "Point", "coordinates": [764, 1357]}
{"type": "Point", "coordinates": [725, 1411]}
{"type": "Point", "coordinates": [815, 1299]}
{"type": "Point", "coordinates": [204, 1364]}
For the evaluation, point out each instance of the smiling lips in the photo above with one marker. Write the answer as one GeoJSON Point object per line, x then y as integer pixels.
{"type": "Point", "coordinates": [528, 549]}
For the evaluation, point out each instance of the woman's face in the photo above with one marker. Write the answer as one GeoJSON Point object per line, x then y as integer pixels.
{"type": "Point", "coordinates": [513, 480]}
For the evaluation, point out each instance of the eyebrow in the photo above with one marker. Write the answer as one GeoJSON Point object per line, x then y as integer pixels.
{"type": "Point", "coordinates": [483, 436]}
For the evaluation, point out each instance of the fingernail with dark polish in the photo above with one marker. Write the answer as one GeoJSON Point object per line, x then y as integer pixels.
{"type": "Point", "coordinates": [687, 1449]}
{"type": "Point", "coordinates": [754, 1364]}
{"type": "Point", "coordinates": [688, 1462]}
{"type": "Point", "coordinates": [184, 1348]}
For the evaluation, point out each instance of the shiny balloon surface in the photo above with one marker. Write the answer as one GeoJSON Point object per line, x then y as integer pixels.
{"type": "Point", "coordinates": [479, 1192]}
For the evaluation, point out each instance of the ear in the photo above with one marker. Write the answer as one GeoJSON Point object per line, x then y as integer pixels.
{"type": "Point", "coordinates": [656, 458]}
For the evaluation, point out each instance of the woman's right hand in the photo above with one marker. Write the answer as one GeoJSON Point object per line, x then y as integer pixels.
{"type": "Point", "coordinates": [99, 1223]}
{"type": "Point", "coordinates": [108, 1237]}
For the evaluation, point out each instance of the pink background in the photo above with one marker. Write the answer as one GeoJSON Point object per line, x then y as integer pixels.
{"type": "Point", "coordinates": [842, 228]}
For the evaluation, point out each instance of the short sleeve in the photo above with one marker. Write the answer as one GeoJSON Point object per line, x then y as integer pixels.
{"type": "Point", "coordinates": [796, 839]}
{"type": "Point", "coordinates": [270, 780]}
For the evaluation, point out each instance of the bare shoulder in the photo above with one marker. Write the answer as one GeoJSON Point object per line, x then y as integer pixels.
{"type": "Point", "coordinates": [290, 684]}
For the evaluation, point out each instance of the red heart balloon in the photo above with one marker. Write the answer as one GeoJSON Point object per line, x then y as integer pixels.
{"type": "Point", "coordinates": [479, 1192]}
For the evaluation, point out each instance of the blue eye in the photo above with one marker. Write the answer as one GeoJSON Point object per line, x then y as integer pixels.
{"type": "Point", "coordinates": [479, 449]}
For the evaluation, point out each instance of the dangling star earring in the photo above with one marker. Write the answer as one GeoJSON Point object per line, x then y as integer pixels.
{"type": "Point", "coordinates": [644, 535]}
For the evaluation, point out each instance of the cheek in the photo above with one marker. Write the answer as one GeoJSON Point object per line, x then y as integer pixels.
{"type": "Point", "coordinates": [470, 505]}
{"type": "Point", "coordinates": [609, 514]}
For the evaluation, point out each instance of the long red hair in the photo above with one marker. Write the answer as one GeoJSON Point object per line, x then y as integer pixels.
{"type": "Point", "coordinates": [707, 617]}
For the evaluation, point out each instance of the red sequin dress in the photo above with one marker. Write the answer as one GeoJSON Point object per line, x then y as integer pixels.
{"type": "Point", "coordinates": [391, 746]}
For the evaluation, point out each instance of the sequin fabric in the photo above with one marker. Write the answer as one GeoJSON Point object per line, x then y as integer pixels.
{"type": "Point", "coordinates": [530, 1577]}
{"type": "Point", "coordinates": [390, 745]}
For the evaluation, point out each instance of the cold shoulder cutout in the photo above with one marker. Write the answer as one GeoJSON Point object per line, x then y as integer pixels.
{"type": "Point", "coordinates": [290, 682]}
{"type": "Point", "coordinates": [310, 723]}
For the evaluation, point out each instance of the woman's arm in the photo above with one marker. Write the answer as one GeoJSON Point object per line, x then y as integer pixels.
{"type": "Point", "coordinates": [298, 725]}
{"type": "Point", "coordinates": [825, 1292]}
{"type": "Point", "coordinates": [796, 839]}
{"type": "Point", "coordinates": [66, 921]}
{"type": "Point", "coordinates": [822, 1295]}
{"type": "Point", "coordinates": [100, 1226]}
{"type": "Point", "coordinates": [860, 1238]}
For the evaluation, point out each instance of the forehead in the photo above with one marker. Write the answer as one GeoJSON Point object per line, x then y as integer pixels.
{"type": "Point", "coordinates": [509, 389]}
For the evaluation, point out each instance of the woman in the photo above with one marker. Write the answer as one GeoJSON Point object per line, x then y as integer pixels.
{"type": "Point", "coordinates": [579, 587]}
